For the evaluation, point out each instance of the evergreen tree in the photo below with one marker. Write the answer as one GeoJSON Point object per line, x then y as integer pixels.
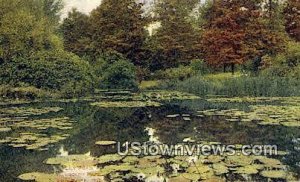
{"type": "Point", "coordinates": [75, 32]}
{"type": "Point", "coordinates": [177, 41]}
{"type": "Point", "coordinates": [118, 26]}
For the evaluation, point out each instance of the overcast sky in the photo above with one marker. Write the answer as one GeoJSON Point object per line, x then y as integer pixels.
{"type": "Point", "coordinates": [85, 6]}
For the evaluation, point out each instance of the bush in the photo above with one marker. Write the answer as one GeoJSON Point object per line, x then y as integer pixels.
{"type": "Point", "coordinates": [200, 66]}
{"type": "Point", "coordinates": [286, 63]}
{"type": "Point", "coordinates": [103, 62]}
{"type": "Point", "coordinates": [120, 75]}
{"type": "Point", "coordinates": [48, 70]}
{"type": "Point", "coordinates": [180, 73]}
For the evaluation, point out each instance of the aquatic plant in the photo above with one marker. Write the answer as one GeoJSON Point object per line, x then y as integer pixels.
{"type": "Point", "coordinates": [123, 104]}
{"type": "Point", "coordinates": [172, 168]}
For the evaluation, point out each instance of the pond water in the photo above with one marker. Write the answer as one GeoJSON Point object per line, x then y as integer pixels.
{"type": "Point", "coordinates": [31, 133]}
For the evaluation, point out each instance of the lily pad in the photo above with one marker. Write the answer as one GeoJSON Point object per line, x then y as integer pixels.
{"type": "Point", "coordinates": [250, 169]}
{"type": "Point", "coordinates": [5, 129]}
{"type": "Point", "coordinates": [109, 158]}
{"type": "Point", "coordinates": [220, 168]}
{"type": "Point", "coordinates": [274, 174]}
{"type": "Point", "coordinates": [38, 177]}
{"type": "Point", "coordinates": [106, 143]}
{"type": "Point", "coordinates": [71, 161]}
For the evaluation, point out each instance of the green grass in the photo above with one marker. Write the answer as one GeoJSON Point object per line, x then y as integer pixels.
{"type": "Point", "coordinates": [237, 85]}
{"type": "Point", "coordinates": [144, 85]}
{"type": "Point", "coordinates": [222, 76]}
{"type": "Point", "coordinates": [8, 92]}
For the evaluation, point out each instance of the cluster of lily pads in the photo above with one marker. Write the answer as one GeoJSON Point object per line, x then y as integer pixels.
{"type": "Point", "coordinates": [128, 99]}
{"type": "Point", "coordinates": [33, 141]}
{"type": "Point", "coordinates": [22, 131]}
{"type": "Point", "coordinates": [285, 100]}
{"type": "Point", "coordinates": [27, 111]}
{"type": "Point", "coordinates": [114, 167]}
{"type": "Point", "coordinates": [261, 114]}
{"type": "Point", "coordinates": [126, 104]}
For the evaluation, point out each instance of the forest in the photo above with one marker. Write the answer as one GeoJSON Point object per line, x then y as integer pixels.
{"type": "Point", "coordinates": [125, 45]}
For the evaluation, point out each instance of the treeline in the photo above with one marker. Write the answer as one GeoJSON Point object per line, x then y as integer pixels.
{"type": "Point", "coordinates": [222, 33]}
{"type": "Point", "coordinates": [32, 52]}
{"type": "Point", "coordinates": [120, 41]}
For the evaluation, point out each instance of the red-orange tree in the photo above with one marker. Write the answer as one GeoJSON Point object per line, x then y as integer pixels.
{"type": "Point", "coordinates": [236, 32]}
{"type": "Point", "coordinates": [292, 17]}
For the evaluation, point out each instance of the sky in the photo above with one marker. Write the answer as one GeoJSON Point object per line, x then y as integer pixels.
{"type": "Point", "coordinates": [85, 6]}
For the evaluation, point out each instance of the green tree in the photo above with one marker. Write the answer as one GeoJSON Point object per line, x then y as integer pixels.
{"type": "Point", "coordinates": [23, 31]}
{"type": "Point", "coordinates": [118, 26]}
{"type": "Point", "coordinates": [75, 32]}
{"type": "Point", "coordinates": [48, 70]}
{"type": "Point", "coordinates": [52, 10]}
{"type": "Point", "coordinates": [176, 41]}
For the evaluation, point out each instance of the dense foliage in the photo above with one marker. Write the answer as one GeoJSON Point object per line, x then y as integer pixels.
{"type": "Point", "coordinates": [236, 33]}
{"type": "Point", "coordinates": [120, 75]}
{"type": "Point", "coordinates": [292, 17]}
{"type": "Point", "coordinates": [48, 70]}
{"type": "Point", "coordinates": [176, 41]}
{"type": "Point", "coordinates": [122, 42]}
{"type": "Point", "coordinates": [32, 53]}
{"type": "Point", "coordinates": [75, 32]}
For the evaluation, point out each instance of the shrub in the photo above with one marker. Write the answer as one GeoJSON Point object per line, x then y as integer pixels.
{"type": "Point", "coordinates": [200, 66]}
{"type": "Point", "coordinates": [103, 62]}
{"type": "Point", "coordinates": [286, 63]}
{"type": "Point", "coordinates": [48, 70]}
{"type": "Point", "coordinates": [120, 75]}
{"type": "Point", "coordinates": [180, 73]}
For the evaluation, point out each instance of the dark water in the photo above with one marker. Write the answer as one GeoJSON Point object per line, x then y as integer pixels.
{"type": "Point", "coordinates": [128, 124]}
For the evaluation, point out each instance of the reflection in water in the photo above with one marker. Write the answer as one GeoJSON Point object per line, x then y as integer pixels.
{"type": "Point", "coordinates": [152, 137]}
{"type": "Point", "coordinates": [142, 125]}
{"type": "Point", "coordinates": [63, 152]}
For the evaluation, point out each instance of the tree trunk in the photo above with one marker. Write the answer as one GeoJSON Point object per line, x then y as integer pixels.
{"type": "Point", "coordinates": [232, 68]}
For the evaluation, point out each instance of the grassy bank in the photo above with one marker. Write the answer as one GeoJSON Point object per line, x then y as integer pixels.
{"type": "Point", "coordinates": [237, 85]}
{"type": "Point", "coordinates": [8, 92]}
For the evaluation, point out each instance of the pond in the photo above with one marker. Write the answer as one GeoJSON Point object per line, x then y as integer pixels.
{"type": "Point", "coordinates": [75, 140]}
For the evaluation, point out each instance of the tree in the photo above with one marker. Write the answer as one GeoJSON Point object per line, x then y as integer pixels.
{"type": "Point", "coordinates": [52, 9]}
{"type": "Point", "coordinates": [48, 70]}
{"type": "Point", "coordinates": [23, 30]}
{"type": "Point", "coordinates": [236, 33]}
{"type": "Point", "coordinates": [274, 15]}
{"type": "Point", "coordinates": [118, 26]}
{"type": "Point", "coordinates": [177, 41]}
{"type": "Point", "coordinates": [292, 17]}
{"type": "Point", "coordinates": [75, 32]}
